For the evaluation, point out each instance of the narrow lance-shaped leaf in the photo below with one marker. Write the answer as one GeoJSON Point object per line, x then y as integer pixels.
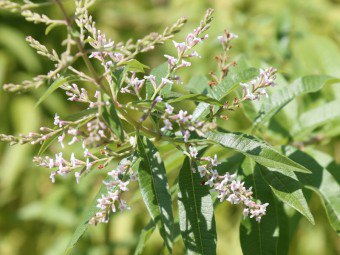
{"type": "Point", "coordinates": [196, 213]}
{"type": "Point", "coordinates": [87, 215]}
{"type": "Point", "coordinates": [55, 85]}
{"type": "Point", "coordinates": [282, 97]}
{"type": "Point", "coordinates": [155, 189]}
{"type": "Point", "coordinates": [144, 237]}
{"type": "Point", "coordinates": [255, 149]}
{"type": "Point", "coordinates": [288, 189]}
{"type": "Point", "coordinates": [111, 118]}
{"type": "Point", "coordinates": [324, 180]}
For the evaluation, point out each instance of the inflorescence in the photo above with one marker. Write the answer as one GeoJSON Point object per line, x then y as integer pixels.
{"type": "Point", "coordinates": [90, 129]}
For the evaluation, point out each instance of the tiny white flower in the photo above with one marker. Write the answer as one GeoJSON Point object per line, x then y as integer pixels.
{"type": "Point", "coordinates": [193, 151]}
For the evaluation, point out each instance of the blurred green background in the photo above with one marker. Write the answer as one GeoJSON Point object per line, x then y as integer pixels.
{"type": "Point", "coordinates": [298, 37]}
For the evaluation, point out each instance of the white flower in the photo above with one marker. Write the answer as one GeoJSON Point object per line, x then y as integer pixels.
{"type": "Point", "coordinates": [77, 175]}
{"type": "Point", "coordinates": [97, 94]}
{"type": "Point", "coordinates": [202, 170]}
{"type": "Point", "coordinates": [193, 151]}
{"type": "Point", "coordinates": [169, 109]}
{"type": "Point", "coordinates": [61, 139]}
{"type": "Point", "coordinates": [132, 141]}
{"type": "Point", "coordinates": [57, 120]}
{"type": "Point", "coordinates": [73, 160]}
{"type": "Point", "coordinates": [52, 176]}
{"type": "Point", "coordinates": [167, 125]}
{"type": "Point", "coordinates": [165, 80]}
{"type": "Point", "coordinates": [123, 185]}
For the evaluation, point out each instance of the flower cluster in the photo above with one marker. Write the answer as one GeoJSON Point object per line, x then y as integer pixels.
{"type": "Point", "coordinates": [115, 186]}
{"type": "Point", "coordinates": [185, 123]}
{"type": "Point", "coordinates": [106, 130]}
{"type": "Point", "coordinates": [257, 87]}
{"type": "Point", "coordinates": [227, 186]}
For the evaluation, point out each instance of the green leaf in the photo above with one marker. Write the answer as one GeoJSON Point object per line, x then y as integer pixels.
{"type": "Point", "coordinates": [55, 85]}
{"type": "Point", "coordinates": [256, 149]}
{"type": "Point", "coordinates": [47, 143]}
{"type": "Point", "coordinates": [237, 74]}
{"type": "Point", "coordinates": [144, 237]}
{"type": "Point", "coordinates": [50, 27]}
{"type": "Point", "coordinates": [111, 118]}
{"type": "Point", "coordinates": [118, 75]}
{"type": "Point", "coordinates": [196, 213]}
{"type": "Point", "coordinates": [13, 41]}
{"type": "Point", "coordinates": [241, 73]}
{"type": "Point", "coordinates": [81, 114]}
{"type": "Point", "coordinates": [197, 98]}
{"type": "Point", "coordinates": [155, 189]}
{"type": "Point", "coordinates": [198, 85]}
{"type": "Point", "coordinates": [317, 117]}
{"type": "Point", "coordinates": [159, 72]}
{"type": "Point", "coordinates": [324, 180]}
{"type": "Point", "coordinates": [282, 97]}
{"type": "Point", "coordinates": [87, 215]}
{"type": "Point", "coordinates": [134, 65]}
{"type": "Point", "coordinates": [266, 236]}
{"type": "Point", "coordinates": [288, 189]}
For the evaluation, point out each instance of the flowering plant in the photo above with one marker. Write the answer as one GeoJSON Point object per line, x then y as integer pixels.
{"type": "Point", "coordinates": [129, 112]}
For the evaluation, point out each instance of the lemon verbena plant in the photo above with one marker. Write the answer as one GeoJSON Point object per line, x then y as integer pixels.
{"type": "Point", "coordinates": [129, 111]}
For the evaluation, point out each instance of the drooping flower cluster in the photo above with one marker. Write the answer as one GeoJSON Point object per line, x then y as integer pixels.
{"type": "Point", "coordinates": [118, 182]}
{"type": "Point", "coordinates": [227, 186]}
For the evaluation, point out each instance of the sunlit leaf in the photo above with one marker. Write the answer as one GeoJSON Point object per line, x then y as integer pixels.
{"type": "Point", "coordinates": [196, 213]}
{"type": "Point", "coordinates": [55, 85]}
{"type": "Point", "coordinates": [282, 97]}
{"type": "Point", "coordinates": [255, 149]}
{"type": "Point", "coordinates": [155, 189]}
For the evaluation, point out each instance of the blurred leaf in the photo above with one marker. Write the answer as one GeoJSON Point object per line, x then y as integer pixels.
{"type": "Point", "coordinates": [282, 97]}
{"type": "Point", "coordinates": [55, 85]}
{"type": "Point", "coordinates": [257, 150]}
{"type": "Point", "coordinates": [198, 84]}
{"type": "Point", "coordinates": [196, 213]}
{"type": "Point", "coordinates": [17, 158]}
{"type": "Point", "coordinates": [316, 54]}
{"type": "Point", "coordinates": [14, 41]}
{"type": "Point", "coordinates": [50, 27]}
{"type": "Point", "coordinates": [144, 237]}
{"type": "Point", "coordinates": [316, 117]}
{"type": "Point", "coordinates": [155, 189]}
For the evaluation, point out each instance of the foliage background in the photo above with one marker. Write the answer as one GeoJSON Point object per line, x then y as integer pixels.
{"type": "Point", "coordinates": [36, 217]}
